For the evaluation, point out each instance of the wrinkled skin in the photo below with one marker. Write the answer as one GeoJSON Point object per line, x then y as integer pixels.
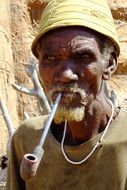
{"type": "Point", "coordinates": [69, 56]}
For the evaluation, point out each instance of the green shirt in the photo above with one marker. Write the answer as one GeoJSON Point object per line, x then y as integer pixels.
{"type": "Point", "coordinates": [106, 169]}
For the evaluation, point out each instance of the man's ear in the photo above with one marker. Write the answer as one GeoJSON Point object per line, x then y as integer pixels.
{"type": "Point", "coordinates": [112, 65]}
{"type": "Point", "coordinates": [37, 49]}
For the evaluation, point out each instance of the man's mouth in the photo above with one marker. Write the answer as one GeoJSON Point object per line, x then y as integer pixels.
{"type": "Point", "coordinates": [70, 98]}
{"type": "Point", "coordinates": [72, 94]}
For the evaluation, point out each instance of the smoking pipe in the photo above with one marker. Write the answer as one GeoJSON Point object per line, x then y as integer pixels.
{"type": "Point", "coordinates": [30, 162]}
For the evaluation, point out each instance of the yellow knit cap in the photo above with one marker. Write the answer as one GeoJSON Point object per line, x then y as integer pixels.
{"type": "Point", "coordinates": [93, 14]}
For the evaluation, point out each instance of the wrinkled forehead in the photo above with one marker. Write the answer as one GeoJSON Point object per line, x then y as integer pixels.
{"type": "Point", "coordinates": [71, 35]}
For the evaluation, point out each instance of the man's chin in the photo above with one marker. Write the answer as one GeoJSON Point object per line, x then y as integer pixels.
{"type": "Point", "coordinates": [71, 114]}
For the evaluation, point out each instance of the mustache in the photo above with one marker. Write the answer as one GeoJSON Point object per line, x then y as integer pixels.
{"type": "Point", "coordinates": [68, 88]}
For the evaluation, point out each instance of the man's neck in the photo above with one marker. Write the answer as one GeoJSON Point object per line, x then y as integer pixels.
{"type": "Point", "coordinates": [95, 120]}
{"type": "Point", "coordinates": [96, 117]}
{"type": "Point", "coordinates": [80, 132]}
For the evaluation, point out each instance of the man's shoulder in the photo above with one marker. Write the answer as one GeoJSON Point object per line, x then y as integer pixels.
{"type": "Point", "coordinates": [122, 115]}
{"type": "Point", "coordinates": [120, 121]}
{"type": "Point", "coordinates": [32, 124]}
{"type": "Point", "coordinates": [124, 106]}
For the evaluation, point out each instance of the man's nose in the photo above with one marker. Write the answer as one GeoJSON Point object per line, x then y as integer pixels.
{"type": "Point", "coordinates": [67, 75]}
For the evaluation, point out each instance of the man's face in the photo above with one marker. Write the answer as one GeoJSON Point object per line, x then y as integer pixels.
{"type": "Point", "coordinates": [70, 62]}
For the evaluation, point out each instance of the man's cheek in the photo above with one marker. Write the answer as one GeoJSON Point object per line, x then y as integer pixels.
{"type": "Point", "coordinates": [44, 77]}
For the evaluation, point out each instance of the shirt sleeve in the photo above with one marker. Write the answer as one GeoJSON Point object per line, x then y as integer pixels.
{"type": "Point", "coordinates": [14, 180]}
{"type": "Point", "coordinates": [26, 137]}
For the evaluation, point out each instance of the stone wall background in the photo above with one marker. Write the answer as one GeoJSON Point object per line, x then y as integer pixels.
{"type": "Point", "coordinates": [119, 12]}
{"type": "Point", "coordinates": [18, 26]}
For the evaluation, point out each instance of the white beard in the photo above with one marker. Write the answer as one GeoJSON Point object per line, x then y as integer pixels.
{"type": "Point", "coordinates": [71, 114]}
{"type": "Point", "coordinates": [66, 112]}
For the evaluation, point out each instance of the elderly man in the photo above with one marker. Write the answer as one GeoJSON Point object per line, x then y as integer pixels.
{"type": "Point", "coordinates": [86, 147]}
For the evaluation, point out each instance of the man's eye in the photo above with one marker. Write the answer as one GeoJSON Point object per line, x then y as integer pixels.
{"type": "Point", "coordinates": [50, 58]}
{"type": "Point", "coordinates": [84, 56]}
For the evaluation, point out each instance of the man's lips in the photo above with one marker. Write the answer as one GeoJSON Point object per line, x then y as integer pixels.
{"type": "Point", "coordinates": [69, 97]}
{"type": "Point", "coordinates": [66, 94]}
